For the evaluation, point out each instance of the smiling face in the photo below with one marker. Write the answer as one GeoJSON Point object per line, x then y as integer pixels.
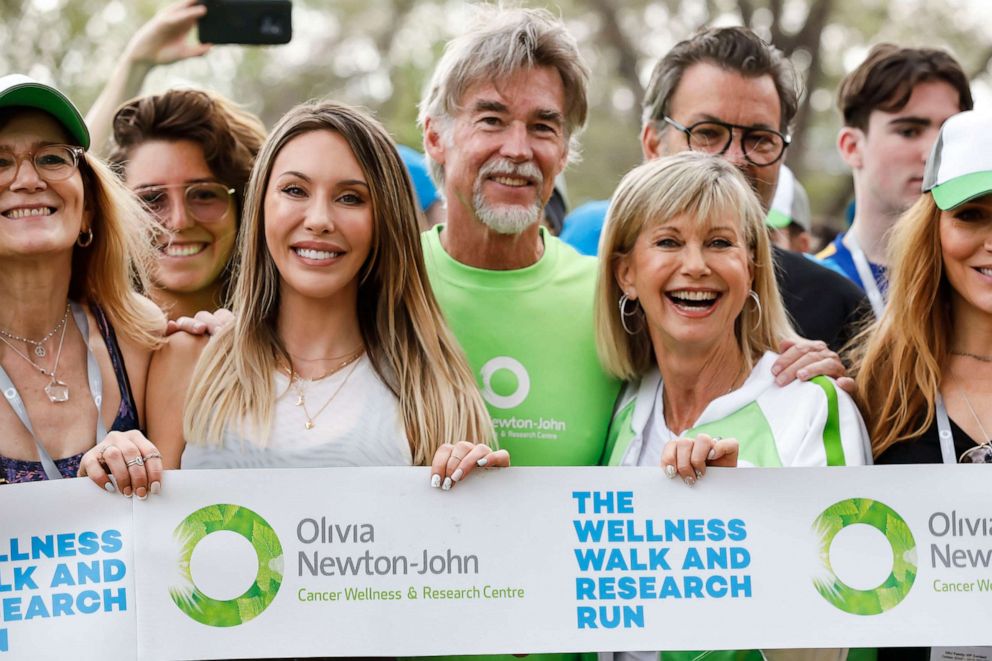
{"type": "Point", "coordinates": [318, 217]}
{"type": "Point", "coordinates": [503, 150]}
{"type": "Point", "coordinates": [709, 92]}
{"type": "Point", "coordinates": [966, 247]}
{"type": "Point", "coordinates": [691, 277]}
{"type": "Point", "coordinates": [38, 217]}
{"type": "Point", "coordinates": [194, 253]}
{"type": "Point", "coordinates": [889, 158]}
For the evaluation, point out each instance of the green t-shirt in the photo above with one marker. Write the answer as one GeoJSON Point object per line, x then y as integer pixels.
{"type": "Point", "coordinates": [528, 334]}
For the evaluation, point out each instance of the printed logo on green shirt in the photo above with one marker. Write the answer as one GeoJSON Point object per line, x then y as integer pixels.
{"type": "Point", "coordinates": [511, 399]}
{"type": "Point", "coordinates": [883, 518]}
{"type": "Point", "coordinates": [229, 612]}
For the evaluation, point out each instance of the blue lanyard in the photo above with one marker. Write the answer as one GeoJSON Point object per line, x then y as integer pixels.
{"type": "Point", "coordinates": [96, 391]}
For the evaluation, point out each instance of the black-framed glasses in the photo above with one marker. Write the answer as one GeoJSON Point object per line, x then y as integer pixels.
{"type": "Point", "coordinates": [51, 162]}
{"type": "Point", "coordinates": [205, 202]}
{"type": "Point", "coordinates": [980, 454]}
{"type": "Point", "coordinates": [759, 146]}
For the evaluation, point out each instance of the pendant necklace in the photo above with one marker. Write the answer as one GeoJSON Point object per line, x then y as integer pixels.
{"type": "Point", "coordinates": [39, 345]}
{"type": "Point", "coordinates": [299, 385]}
{"type": "Point", "coordinates": [57, 391]}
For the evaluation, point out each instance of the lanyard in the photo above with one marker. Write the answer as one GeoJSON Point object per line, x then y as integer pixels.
{"type": "Point", "coordinates": [867, 277]}
{"type": "Point", "coordinates": [96, 391]}
{"type": "Point", "coordinates": [944, 433]}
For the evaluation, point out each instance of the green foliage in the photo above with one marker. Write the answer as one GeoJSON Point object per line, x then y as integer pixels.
{"type": "Point", "coordinates": [379, 53]}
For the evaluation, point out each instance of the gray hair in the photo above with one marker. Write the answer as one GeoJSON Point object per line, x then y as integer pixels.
{"type": "Point", "coordinates": [499, 43]}
{"type": "Point", "coordinates": [734, 49]}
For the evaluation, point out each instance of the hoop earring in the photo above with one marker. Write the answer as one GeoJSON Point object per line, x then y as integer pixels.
{"type": "Point", "coordinates": [84, 239]}
{"type": "Point", "coordinates": [754, 296]}
{"type": "Point", "coordinates": [624, 314]}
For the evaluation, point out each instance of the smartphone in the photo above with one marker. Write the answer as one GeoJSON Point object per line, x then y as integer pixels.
{"type": "Point", "coordinates": [246, 22]}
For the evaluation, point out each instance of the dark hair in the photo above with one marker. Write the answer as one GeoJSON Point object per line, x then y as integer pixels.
{"type": "Point", "coordinates": [885, 81]}
{"type": "Point", "coordinates": [733, 48]}
{"type": "Point", "coordinates": [229, 136]}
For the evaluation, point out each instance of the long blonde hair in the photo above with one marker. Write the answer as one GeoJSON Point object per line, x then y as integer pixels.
{"type": "Point", "coordinates": [899, 358]}
{"type": "Point", "coordinates": [110, 270]}
{"type": "Point", "coordinates": [704, 187]}
{"type": "Point", "coordinates": [408, 343]}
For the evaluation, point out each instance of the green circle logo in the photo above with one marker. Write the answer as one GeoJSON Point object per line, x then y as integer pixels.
{"type": "Point", "coordinates": [884, 519]}
{"type": "Point", "coordinates": [248, 524]}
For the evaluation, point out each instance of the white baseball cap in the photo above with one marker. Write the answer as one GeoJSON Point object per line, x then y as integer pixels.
{"type": "Point", "coordinates": [791, 204]}
{"type": "Point", "coordinates": [960, 166]}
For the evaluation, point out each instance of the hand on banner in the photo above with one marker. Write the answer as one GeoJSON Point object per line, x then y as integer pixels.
{"type": "Point", "coordinates": [453, 463]}
{"type": "Point", "coordinates": [688, 457]}
{"type": "Point", "coordinates": [131, 459]}
{"type": "Point", "coordinates": [204, 323]}
{"type": "Point", "coordinates": [805, 359]}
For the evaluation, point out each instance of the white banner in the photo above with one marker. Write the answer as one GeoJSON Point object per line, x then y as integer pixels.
{"type": "Point", "coordinates": [372, 561]}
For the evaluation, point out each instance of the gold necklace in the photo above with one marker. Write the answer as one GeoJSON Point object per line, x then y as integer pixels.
{"type": "Point", "coordinates": [301, 392]}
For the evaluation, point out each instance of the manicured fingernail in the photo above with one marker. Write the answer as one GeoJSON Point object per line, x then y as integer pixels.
{"type": "Point", "coordinates": [802, 374]}
{"type": "Point", "coordinates": [689, 481]}
{"type": "Point", "coordinates": [156, 488]}
{"type": "Point", "coordinates": [141, 493]}
{"type": "Point", "coordinates": [435, 480]}
{"type": "Point", "coordinates": [711, 456]}
{"type": "Point", "coordinates": [447, 484]}
{"type": "Point", "coordinates": [481, 463]}
{"type": "Point", "coordinates": [457, 475]}
{"type": "Point", "coordinates": [699, 475]}
{"type": "Point", "coordinates": [670, 472]}
{"type": "Point", "coordinates": [127, 492]}
{"type": "Point", "coordinates": [776, 370]}
{"type": "Point", "coordinates": [109, 486]}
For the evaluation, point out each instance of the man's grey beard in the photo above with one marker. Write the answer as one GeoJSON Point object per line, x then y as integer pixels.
{"type": "Point", "coordinates": [502, 218]}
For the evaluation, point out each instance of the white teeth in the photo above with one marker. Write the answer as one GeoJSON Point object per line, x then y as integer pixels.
{"type": "Point", "coordinates": [510, 181]}
{"type": "Point", "coordinates": [26, 213]}
{"type": "Point", "coordinates": [694, 295]}
{"type": "Point", "coordinates": [184, 249]}
{"type": "Point", "coordinates": [309, 253]}
{"type": "Point", "coordinates": [986, 271]}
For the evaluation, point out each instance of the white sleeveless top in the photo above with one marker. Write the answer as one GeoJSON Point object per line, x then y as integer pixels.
{"type": "Point", "coordinates": [362, 426]}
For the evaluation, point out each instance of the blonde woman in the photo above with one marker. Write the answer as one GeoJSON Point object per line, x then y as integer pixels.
{"type": "Point", "coordinates": [338, 355]}
{"type": "Point", "coordinates": [75, 338]}
{"type": "Point", "coordinates": [688, 312]}
{"type": "Point", "coordinates": [925, 377]}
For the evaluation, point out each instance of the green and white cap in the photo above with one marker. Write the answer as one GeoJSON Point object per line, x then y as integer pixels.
{"type": "Point", "coordinates": [960, 166]}
{"type": "Point", "coordinates": [791, 204]}
{"type": "Point", "coordinates": [19, 90]}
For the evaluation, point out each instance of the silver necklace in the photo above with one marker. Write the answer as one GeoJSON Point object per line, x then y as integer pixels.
{"type": "Point", "coordinates": [975, 416]}
{"type": "Point", "coordinates": [57, 391]}
{"type": "Point", "coordinates": [39, 345]}
{"type": "Point", "coordinates": [984, 359]}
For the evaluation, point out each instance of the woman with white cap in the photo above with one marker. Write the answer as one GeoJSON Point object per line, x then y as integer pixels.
{"type": "Point", "coordinates": [925, 372]}
{"type": "Point", "coordinates": [75, 338]}
{"type": "Point", "coordinates": [925, 369]}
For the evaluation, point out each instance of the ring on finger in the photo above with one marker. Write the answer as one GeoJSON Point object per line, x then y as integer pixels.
{"type": "Point", "coordinates": [137, 461]}
{"type": "Point", "coordinates": [99, 453]}
{"type": "Point", "coordinates": [153, 455]}
{"type": "Point", "coordinates": [456, 457]}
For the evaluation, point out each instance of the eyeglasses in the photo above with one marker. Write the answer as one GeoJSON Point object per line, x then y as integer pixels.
{"type": "Point", "coordinates": [759, 146]}
{"type": "Point", "coordinates": [980, 454]}
{"type": "Point", "coordinates": [51, 162]}
{"type": "Point", "coordinates": [205, 202]}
